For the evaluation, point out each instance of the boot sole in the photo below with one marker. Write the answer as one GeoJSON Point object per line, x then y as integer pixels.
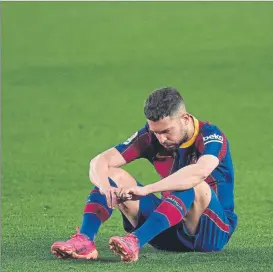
{"type": "Point", "coordinates": [117, 247]}
{"type": "Point", "coordinates": [63, 252]}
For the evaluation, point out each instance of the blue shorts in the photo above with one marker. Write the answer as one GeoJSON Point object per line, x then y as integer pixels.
{"type": "Point", "coordinates": [213, 232]}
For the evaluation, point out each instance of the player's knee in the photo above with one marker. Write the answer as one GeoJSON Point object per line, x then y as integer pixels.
{"type": "Point", "coordinates": [202, 193]}
{"type": "Point", "coordinates": [115, 174]}
{"type": "Point", "coordinates": [121, 177]}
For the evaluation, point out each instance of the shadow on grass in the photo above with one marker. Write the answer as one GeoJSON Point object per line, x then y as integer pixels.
{"type": "Point", "coordinates": [100, 259]}
{"type": "Point", "coordinates": [39, 249]}
{"type": "Point", "coordinates": [241, 257]}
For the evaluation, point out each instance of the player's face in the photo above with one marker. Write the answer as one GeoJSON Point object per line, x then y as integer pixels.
{"type": "Point", "coordinates": [171, 132]}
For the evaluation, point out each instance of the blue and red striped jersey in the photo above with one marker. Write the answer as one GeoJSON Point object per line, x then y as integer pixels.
{"type": "Point", "coordinates": [207, 139]}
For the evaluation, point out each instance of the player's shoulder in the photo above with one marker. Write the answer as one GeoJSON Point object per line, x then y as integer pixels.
{"type": "Point", "coordinates": [207, 128]}
{"type": "Point", "coordinates": [144, 133]}
{"type": "Point", "coordinates": [210, 132]}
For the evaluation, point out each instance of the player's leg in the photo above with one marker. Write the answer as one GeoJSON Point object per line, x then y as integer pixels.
{"type": "Point", "coordinates": [202, 199]}
{"type": "Point", "coordinates": [96, 212]}
{"type": "Point", "coordinates": [169, 213]}
{"type": "Point", "coordinates": [167, 240]}
{"type": "Point", "coordinates": [211, 233]}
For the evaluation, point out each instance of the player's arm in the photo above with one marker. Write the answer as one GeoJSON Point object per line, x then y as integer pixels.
{"type": "Point", "coordinates": [187, 177]}
{"type": "Point", "coordinates": [213, 148]}
{"type": "Point", "coordinates": [100, 165]}
{"type": "Point", "coordinates": [98, 172]}
{"type": "Point", "coordinates": [131, 149]}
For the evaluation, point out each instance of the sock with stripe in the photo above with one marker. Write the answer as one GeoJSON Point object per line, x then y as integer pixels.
{"type": "Point", "coordinates": [169, 213]}
{"type": "Point", "coordinates": [96, 212]}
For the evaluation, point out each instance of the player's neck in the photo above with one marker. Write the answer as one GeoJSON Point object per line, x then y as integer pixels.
{"type": "Point", "coordinates": [191, 128]}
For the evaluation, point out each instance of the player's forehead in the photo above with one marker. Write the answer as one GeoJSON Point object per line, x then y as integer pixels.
{"type": "Point", "coordinates": [160, 125]}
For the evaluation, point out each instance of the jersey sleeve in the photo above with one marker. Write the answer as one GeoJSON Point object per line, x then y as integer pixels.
{"type": "Point", "coordinates": [136, 146]}
{"type": "Point", "coordinates": [212, 142]}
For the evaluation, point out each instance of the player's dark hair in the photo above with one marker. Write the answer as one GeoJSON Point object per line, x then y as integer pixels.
{"type": "Point", "coordinates": [162, 102]}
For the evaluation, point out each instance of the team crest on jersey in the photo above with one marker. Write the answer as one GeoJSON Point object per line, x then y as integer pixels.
{"type": "Point", "coordinates": [129, 140]}
{"type": "Point", "coordinates": [213, 138]}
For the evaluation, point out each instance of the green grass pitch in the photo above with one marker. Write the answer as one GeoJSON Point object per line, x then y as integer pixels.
{"type": "Point", "coordinates": [75, 76]}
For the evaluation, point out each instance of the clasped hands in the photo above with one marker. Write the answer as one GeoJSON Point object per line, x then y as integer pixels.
{"type": "Point", "coordinates": [115, 196]}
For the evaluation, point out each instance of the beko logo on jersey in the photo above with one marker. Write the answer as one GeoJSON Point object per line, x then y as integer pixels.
{"type": "Point", "coordinates": [213, 138]}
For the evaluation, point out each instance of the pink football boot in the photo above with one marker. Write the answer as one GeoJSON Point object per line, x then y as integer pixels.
{"type": "Point", "coordinates": [126, 246]}
{"type": "Point", "coordinates": [78, 247]}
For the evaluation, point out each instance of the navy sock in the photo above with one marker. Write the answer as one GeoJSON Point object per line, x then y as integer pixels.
{"type": "Point", "coordinates": [169, 213]}
{"type": "Point", "coordinates": [96, 212]}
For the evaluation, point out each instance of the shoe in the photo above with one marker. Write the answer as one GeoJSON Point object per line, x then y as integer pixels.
{"type": "Point", "coordinates": [127, 247]}
{"type": "Point", "coordinates": [78, 247]}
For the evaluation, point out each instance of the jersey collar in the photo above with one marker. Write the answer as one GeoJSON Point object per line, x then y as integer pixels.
{"type": "Point", "coordinates": [195, 134]}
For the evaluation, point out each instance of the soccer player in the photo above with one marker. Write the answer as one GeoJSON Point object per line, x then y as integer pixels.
{"type": "Point", "coordinates": [196, 208]}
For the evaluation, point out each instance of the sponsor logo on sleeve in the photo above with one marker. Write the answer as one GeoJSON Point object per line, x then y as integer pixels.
{"type": "Point", "coordinates": [214, 138]}
{"type": "Point", "coordinates": [131, 139]}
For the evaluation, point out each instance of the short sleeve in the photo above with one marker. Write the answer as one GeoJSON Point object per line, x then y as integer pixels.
{"type": "Point", "coordinates": [136, 146]}
{"type": "Point", "coordinates": [212, 142]}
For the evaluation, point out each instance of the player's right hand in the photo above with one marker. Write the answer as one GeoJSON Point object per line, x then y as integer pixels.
{"type": "Point", "coordinates": [110, 194]}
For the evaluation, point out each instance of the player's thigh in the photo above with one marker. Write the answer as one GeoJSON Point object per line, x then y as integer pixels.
{"type": "Point", "coordinates": [213, 230]}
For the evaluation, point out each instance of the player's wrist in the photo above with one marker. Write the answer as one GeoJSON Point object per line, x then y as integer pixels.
{"type": "Point", "coordinates": [149, 189]}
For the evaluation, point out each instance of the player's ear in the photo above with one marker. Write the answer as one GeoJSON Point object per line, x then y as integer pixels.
{"type": "Point", "coordinates": [186, 118]}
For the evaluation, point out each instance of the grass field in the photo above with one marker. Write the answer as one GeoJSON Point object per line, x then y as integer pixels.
{"type": "Point", "coordinates": [75, 76]}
